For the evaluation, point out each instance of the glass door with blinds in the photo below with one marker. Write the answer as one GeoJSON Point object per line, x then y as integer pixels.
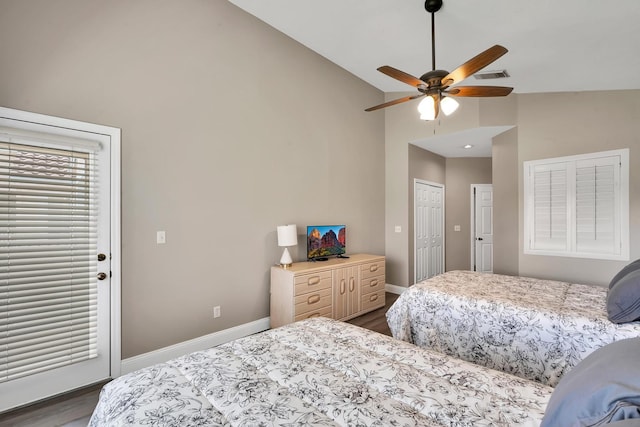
{"type": "Point", "coordinates": [54, 260]}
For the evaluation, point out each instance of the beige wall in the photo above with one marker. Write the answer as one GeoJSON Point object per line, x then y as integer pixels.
{"type": "Point", "coordinates": [229, 128]}
{"type": "Point", "coordinates": [457, 175]}
{"type": "Point", "coordinates": [505, 203]}
{"type": "Point", "coordinates": [461, 173]}
{"type": "Point", "coordinates": [403, 126]}
{"type": "Point", "coordinates": [562, 124]}
{"type": "Point", "coordinates": [546, 125]}
{"type": "Point", "coordinates": [426, 166]}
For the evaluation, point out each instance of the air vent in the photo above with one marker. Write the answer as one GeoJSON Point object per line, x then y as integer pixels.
{"type": "Point", "coordinates": [486, 75]}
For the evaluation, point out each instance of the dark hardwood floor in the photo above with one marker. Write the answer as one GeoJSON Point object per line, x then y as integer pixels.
{"type": "Point", "coordinates": [74, 409]}
{"type": "Point", "coordinates": [376, 320]}
{"type": "Point", "coordinates": [69, 410]}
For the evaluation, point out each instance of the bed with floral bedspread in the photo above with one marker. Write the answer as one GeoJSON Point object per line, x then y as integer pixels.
{"type": "Point", "coordinates": [536, 329]}
{"type": "Point", "coordinates": [319, 372]}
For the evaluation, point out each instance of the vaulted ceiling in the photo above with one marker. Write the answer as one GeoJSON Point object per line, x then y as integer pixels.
{"type": "Point", "coordinates": [554, 46]}
{"type": "Point", "coordinates": [568, 45]}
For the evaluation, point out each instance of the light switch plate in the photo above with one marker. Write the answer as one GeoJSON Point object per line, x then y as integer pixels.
{"type": "Point", "coordinates": [161, 237]}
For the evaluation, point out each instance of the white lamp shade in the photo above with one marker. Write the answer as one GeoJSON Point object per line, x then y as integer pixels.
{"type": "Point", "coordinates": [427, 108]}
{"type": "Point", "coordinates": [448, 105]}
{"type": "Point", "coordinates": [287, 235]}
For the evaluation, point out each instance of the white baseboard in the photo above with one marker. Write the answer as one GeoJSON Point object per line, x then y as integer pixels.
{"type": "Point", "coordinates": [201, 343]}
{"type": "Point", "coordinates": [207, 341]}
{"type": "Point", "coordinates": [394, 289]}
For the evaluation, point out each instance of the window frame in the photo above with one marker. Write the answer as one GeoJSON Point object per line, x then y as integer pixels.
{"type": "Point", "coordinates": [621, 216]}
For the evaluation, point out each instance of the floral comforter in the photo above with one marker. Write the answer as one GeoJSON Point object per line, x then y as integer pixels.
{"type": "Point", "coordinates": [533, 328]}
{"type": "Point", "coordinates": [319, 372]}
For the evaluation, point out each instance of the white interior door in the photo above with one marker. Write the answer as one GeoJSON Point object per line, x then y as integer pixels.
{"type": "Point", "coordinates": [482, 236]}
{"type": "Point", "coordinates": [55, 294]}
{"type": "Point", "coordinates": [428, 229]}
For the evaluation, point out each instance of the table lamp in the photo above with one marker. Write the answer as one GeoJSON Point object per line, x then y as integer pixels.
{"type": "Point", "coordinates": [287, 236]}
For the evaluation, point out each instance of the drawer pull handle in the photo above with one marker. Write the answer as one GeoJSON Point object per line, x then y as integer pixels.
{"type": "Point", "coordinates": [352, 285]}
{"type": "Point", "coordinates": [313, 280]}
{"type": "Point", "coordinates": [342, 287]}
{"type": "Point", "coordinates": [373, 268]}
{"type": "Point", "coordinates": [373, 297]}
{"type": "Point", "coordinates": [313, 315]}
{"type": "Point", "coordinates": [374, 282]}
{"type": "Point", "coordinates": [313, 299]}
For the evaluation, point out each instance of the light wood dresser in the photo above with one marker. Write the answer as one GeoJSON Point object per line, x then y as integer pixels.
{"type": "Point", "coordinates": [340, 288]}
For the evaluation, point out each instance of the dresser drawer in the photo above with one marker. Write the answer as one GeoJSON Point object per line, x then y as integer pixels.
{"type": "Point", "coordinates": [372, 269]}
{"type": "Point", "coordinates": [372, 284]}
{"type": "Point", "coordinates": [313, 301]}
{"type": "Point", "coordinates": [305, 283]}
{"type": "Point", "coordinates": [373, 300]}
{"type": "Point", "coordinates": [323, 311]}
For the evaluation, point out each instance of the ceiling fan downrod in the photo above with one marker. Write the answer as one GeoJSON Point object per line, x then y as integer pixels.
{"type": "Point", "coordinates": [432, 6]}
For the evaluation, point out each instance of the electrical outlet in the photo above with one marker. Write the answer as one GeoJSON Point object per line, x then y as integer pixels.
{"type": "Point", "coordinates": [161, 237]}
{"type": "Point", "coordinates": [216, 311]}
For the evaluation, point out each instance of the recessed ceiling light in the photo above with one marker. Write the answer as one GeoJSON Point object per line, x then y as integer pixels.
{"type": "Point", "coordinates": [468, 146]}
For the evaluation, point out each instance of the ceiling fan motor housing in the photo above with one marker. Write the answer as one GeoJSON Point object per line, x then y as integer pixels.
{"type": "Point", "coordinates": [433, 80]}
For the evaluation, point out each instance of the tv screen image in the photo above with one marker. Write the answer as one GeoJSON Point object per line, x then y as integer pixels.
{"type": "Point", "coordinates": [325, 240]}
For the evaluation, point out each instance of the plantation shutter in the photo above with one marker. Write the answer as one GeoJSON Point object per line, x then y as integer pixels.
{"type": "Point", "coordinates": [596, 201]}
{"type": "Point", "coordinates": [578, 206]}
{"type": "Point", "coordinates": [550, 216]}
{"type": "Point", "coordinates": [48, 288]}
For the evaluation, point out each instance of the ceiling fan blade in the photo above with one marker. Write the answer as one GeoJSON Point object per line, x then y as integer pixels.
{"type": "Point", "coordinates": [394, 102]}
{"type": "Point", "coordinates": [401, 75]}
{"type": "Point", "coordinates": [474, 65]}
{"type": "Point", "coordinates": [479, 91]}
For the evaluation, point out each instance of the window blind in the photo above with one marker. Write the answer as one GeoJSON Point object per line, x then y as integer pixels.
{"type": "Point", "coordinates": [578, 206]}
{"type": "Point", "coordinates": [550, 207]}
{"type": "Point", "coordinates": [596, 201]}
{"type": "Point", "coordinates": [48, 267]}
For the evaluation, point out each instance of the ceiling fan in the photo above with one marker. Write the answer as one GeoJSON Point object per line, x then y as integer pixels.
{"type": "Point", "coordinates": [436, 85]}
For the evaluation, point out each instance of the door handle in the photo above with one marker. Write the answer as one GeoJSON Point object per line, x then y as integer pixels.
{"type": "Point", "coordinates": [102, 276]}
{"type": "Point", "coordinates": [479, 238]}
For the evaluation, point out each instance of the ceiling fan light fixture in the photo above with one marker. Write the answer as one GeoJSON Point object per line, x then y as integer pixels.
{"type": "Point", "coordinates": [448, 105]}
{"type": "Point", "coordinates": [437, 84]}
{"type": "Point", "coordinates": [427, 108]}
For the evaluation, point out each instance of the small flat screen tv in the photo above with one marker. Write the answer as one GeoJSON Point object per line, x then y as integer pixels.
{"type": "Point", "coordinates": [325, 240]}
